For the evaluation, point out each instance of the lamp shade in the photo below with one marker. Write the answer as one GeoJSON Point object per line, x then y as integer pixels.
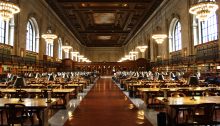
{"type": "Point", "coordinates": [51, 78]}
{"type": "Point", "coordinates": [37, 75]}
{"type": "Point", "coordinates": [65, 76]}
{"type": "Point", "coordinates": [172, 75]}
{"type": "Point", "coordinates": [193, 80]}
{"type": "Point", "coordinates": [19, 82]}
{"type": "Point", "coordinates": [160, 77]}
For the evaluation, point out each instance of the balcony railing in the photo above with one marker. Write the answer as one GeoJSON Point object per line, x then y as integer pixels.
{"type": "Point", "coordinates": [17, 60]}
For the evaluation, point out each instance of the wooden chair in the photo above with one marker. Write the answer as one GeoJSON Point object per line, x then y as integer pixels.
{"type": "Point", "coordinates": [210, 93]}
{"type": "Point", "coordinates": [182, 109]}
{"type": "Point", "coordinates": [21, 93]}
{"type": "Point", "coordinates": [185, 91]}
{"type": "Point", "coordinates": [202, 114]}
{"type": "Point", "coordinates": [152, 95]}
{"type": "Point", "coordinates": [177, 94]}
{"type": "Point", "coordinates": [16, 114]}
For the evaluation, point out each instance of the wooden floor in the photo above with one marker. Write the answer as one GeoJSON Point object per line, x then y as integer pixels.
{"type": "Point", "coordinates": [106, 105]}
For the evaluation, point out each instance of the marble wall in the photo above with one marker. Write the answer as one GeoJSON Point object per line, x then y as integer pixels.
{"type": "Point", "coordinates": [162, 18]}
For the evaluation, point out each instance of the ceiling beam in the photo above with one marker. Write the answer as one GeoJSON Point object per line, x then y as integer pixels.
{"type": "Point", "coordinates": [106, 1]}
{"type": "Point", "coordinates": [59, 10]}
{"type": "Point", "coordinates": [109, 9]}
{"type": "Point", "coordinates": [153, 6]}
{"type": "Point", "coordinates": [104, 32]}
{"type": "Point", "coordinates": [79, 18]}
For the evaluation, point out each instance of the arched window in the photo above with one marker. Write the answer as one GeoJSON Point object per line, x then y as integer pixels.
{"type": "Point", "coordinates": [175, 36]}
{"type": "Point", "coordinates": [7, 32]}
{"type": "Point", "coordinates": [60, 55]}
{"type": "Point", "coordinates": [205, 31]}
{"type": "Point", "coordinates": [49, 49]}
{"type": "Point", "coordinates": [32, 36]}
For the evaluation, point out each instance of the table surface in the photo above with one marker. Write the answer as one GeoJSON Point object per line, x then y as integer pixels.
{"type": "Point", "coordinates": [36, 90]}
{"type": "Point", "coordinates": [187, 101]}
{"type": "Point", "coordinates": [175, 89]}
{"type": "Point", "coordinates": [28, 102]}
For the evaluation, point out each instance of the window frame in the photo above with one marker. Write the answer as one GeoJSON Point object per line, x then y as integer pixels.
{"type": "Point", "coordinates": [32, 37]}
{"type": "Point", "coordinates": [175, 35]}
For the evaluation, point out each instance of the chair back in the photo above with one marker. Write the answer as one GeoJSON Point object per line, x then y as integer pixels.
{"type": "Point", "coordinates": [208, 93]}
{"type": "Point", "coordinates": [44, 92]}
{"type": "Point", "coordinates": [203, 113]}
{"type": "Point", "coordinates": [154, 86]}
{"type": "Point", "coordinates": [15, 113]}
{"type": "Point", "coordinates": [22, 93]}
{"type": "Point", "coordinates": [178, 94]}
{"type": "Point", "coordinates": [185, 91]}
{"type": "Point", "coordinates": [1, 95]}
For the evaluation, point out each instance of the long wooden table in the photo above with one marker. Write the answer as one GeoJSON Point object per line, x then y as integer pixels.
{"type": "Point", "coordinates": [40, 105]}
{"type": "Point", "coordinates": [174, 103]}
{"type": "Point", "coordinates": [132, 88]}
{"type": "Point", "coordinates": [147, 91]}
{"type": "Point", "coordinates": [65, 92]}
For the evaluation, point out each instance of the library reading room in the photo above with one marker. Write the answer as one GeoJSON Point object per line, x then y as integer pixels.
{"type": "Point", "coordinates": [109, 63]}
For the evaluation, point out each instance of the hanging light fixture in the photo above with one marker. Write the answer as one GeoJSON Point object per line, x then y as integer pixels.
{"type": "Point", "coordinates": [133, 52]}
{"type": "Point", "coordinates": [80, 57]}
{"type": "Point", "coordinates": [159, 38]}
{"type": "Point", "coordinates": [142, 48]}
{"type": "Point", "coordinates": [49, 37]}
{"type": "Point", "coordinates": [133, 55]}
{"type": "Point", "coordinates": [8, 9]}
{"type": "Point", "coordinates": [66, 48]}
{"type": "Point", "coordinates": [203, 9]}
{"type": "Point", "coordinates": [74, 54]}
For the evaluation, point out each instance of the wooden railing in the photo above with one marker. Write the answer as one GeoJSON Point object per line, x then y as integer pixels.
{"type": "Point", "coordinates": [27, 61]}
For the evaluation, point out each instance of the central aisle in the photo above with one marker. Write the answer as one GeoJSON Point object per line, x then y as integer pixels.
{"type": "Point", "coordinates": [106, 105]}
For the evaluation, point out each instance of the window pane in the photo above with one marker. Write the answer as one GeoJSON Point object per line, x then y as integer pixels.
{"type": "Point", "coordinates": [209, 30]}
{"type": "Point", "coordinates": [2, 31]}
{"type": "Point", "coordinates": [60, 48]}
{"type": "Point", "coordinates": [31, 44]}
{"type": "Point", "coordinates": [177, 38]}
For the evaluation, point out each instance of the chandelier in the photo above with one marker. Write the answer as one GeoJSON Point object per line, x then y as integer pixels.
{"type": "Point", "coordinates": [75, 53]}
{"type": "Point", "coordinates": [142, 48]}
{"type": "Point", "coordinates": [49, 37]}
{"type": "Point", "coordinates": [159, 38]}
{"type": "Point", "coordinates": [203, 9]}
{"type": "Point", "coordinates": [133, 52]}
{"type": "Point", "coordinates": [80, 56]}
{"type": "Point", "coordinates": [8, 9]}
{"type": "Point", "coordinates": [66, 48]}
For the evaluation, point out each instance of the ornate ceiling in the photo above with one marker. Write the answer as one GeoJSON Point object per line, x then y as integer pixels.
{"type": "Point", "coordinates": [104, 24]}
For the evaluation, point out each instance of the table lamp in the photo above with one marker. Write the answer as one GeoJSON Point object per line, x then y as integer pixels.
{"type": "Point", "coordinates": [193, 81]}
{"type": "Point", "coordinates": [50, 78]}
{"type": "Point", "coordinates": [19, 83]}
{"type": "Point", "coordinates": [161, 77]}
